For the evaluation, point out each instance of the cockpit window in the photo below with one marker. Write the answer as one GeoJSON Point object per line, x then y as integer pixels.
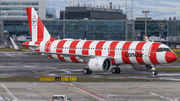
{"type": "Point", "coordinates": [163, 49]}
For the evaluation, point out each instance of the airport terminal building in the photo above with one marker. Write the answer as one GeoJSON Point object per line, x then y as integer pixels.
{"type": "Point", "coordinates": [16, 9]}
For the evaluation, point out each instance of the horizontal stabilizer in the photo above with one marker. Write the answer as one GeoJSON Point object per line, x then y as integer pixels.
{"type": "Point", "coordinates": [33, 46]}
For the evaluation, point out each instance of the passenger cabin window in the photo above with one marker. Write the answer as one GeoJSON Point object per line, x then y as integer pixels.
{"type": "Point", "coordinates": [163, 49]}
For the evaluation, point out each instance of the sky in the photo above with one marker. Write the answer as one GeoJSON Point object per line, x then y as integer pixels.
{"type": "Point", "coordinates": [159, 9]}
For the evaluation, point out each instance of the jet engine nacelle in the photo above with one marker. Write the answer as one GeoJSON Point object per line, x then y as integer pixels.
{"type": "Point", "coordinates": [100, 64]}
{"type": "Point", "coordinates": [142, 67]}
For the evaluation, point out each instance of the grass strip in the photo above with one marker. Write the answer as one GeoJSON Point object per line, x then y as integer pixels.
{"type": "Point", "coordinates": [27, 79]}
{"type": "Point", "coordinates": [19, 79]}
{"type": "Point", "coordinates": [12, 49]}
{"type": "Point", "coordinates": [178, 55]}
{"type": "Point", "coordinates": [168, 69]}
{"type": "Point", "coordinates": [109, 79]}
{"type": "Point", "coordinates": [175, 50]}
{"type": "Point", "coordinates": [7, 49]}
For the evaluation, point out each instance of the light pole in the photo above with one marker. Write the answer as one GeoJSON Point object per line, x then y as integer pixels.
{"type": "Point", "coordinates": [64, 24]}
{"type": "Point", "coordinates": [1, 24]}
{"type": "Point", "coordinates": [145, 12]}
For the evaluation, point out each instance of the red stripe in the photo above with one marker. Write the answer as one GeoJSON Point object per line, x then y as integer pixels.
{"type": "Point", "coordinates": [112, 50]}
{"type": "Point", "coordinates": [50, 56]}
{"type": "Point", "coordinates": [48, 46]}
{"type": "Point", "coordinates": [40, 29]}
{"type": "Point", "coordinates": [37, 43]}
{"type": "Point", "coordinates": [72, 50]}
{"type": "Point", "coordinates": [139, 50]}
{"type": "Point", "coordinates": [51, 39]}
{"type": "Point", "coordinates": [26, 43]}
{"type": "Point", "coordinates": [152, 57]}
{"type": "Point", "coordinates": [61, 58]}
{"type": "Point", "coordinates": [85, 50]}
{"type": "Point", "coordinates": [73, 58]}
{"type": "Point", "coordinates": [29, 11]}
{"type": "Point", "coordinates": [98, 51]}
{"type": "Point", "coordinates": [60, 49]}
{"type": "Point", "coordinates": [125, 50]}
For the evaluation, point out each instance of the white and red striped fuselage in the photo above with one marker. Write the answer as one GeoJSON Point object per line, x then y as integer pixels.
{"type": "Point", "coordinates": [98, 55]}
{"type": "Point", "coordinates": [123, 52]}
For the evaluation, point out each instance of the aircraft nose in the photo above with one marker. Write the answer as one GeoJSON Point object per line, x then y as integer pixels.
{"type": "Point", "coordinates": [170, 57]}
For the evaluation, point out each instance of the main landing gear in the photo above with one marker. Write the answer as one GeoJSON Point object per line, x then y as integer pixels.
{"type": "Point", "coordinates": [116, 70]}
{"type": "Point", "coordinates": [87, 71]}
{"type": "Point", "coordinates": [154, 72]}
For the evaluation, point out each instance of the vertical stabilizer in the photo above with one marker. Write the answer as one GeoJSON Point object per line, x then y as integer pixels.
{"type": "Point", "coordinates": [37, 29]}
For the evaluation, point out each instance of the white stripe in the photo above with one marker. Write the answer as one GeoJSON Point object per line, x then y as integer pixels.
{"type": "Point", "coordinates": [79, 45]}
{"type": "Point", "coordinates": [92, 45]}
{"type": "Point", "coordinates": [46, 35]}
{"type": "Point", "coordinates": [161, 96]}
{"type": "Point", "coordinates": [42, 46]}
{"type": "Point", "coordinates": [66, 51]}
{"type": "Point", "coordinates": [9, 92]}
{"type": "Point", "coordinates": [54, 46]}
{"type": "Point", "coordinates": [31, 43]}
{"type": "Point", "coordinates": [106, 45]}
{"type": "Point", "coordinates": [118, 53]}
{"type": "Point", "coordinates": [133, 46]}
{"type": "Point", "coordinates": [161, 57]}
{"type": "Point", "coordinates": [34, 17]}
{"type": "Point", "coordinates": [146, 48]}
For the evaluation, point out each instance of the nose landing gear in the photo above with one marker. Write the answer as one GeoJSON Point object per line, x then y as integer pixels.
{"type": "Point", "coordinates": [154, 72]}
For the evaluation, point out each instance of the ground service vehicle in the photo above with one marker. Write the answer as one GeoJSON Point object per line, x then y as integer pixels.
{"type": "Point", "coordinates": [59, 98]}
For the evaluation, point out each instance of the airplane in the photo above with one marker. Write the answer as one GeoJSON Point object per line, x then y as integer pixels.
{"type": "Point", "coordinates": [98, 55]}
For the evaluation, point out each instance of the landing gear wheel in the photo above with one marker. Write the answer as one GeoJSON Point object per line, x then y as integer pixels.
{"type": "Point", "coordinates": [114, 70]}
{"type": "Point", "coordinates": [118, 70]}
{"type": "Point", "coordinates": [154, 72]}
{"type": "Point", "coordinates": [87, 71]}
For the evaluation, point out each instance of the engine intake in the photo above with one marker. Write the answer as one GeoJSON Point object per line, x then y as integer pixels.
{"type": "Point", "coordinates": [100, 64]}
{"type": "Point", "coordinates": [142, 67]}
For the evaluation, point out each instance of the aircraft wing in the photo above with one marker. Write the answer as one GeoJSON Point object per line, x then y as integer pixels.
{"type": "Point", "coordinates": [80, 56]}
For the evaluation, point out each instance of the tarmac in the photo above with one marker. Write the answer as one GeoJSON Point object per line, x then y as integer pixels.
{"type": "Point", "coordinates": [91, 91]}
{"type": "Point", "coordinates": [24, 64]}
